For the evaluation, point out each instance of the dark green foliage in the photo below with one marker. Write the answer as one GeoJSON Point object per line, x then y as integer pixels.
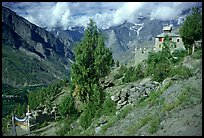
{"type": "Point", "coordinates": [65, 126]}
{"type": "Point", "coordinates": [66, 107]}
{"type": "Point", "coordinates": [139, 71]}
{"type": "Point", "coordinates": [93, 61]}
{"type": "Point", "coordinates": [129, 75]}
{"type": "Point", "coordinates": [191, 30]}
{"type": "Point", "coordinates": [21, 109]}
{"type": "Point", "coordinates": [181, 71]}
{"type": "Point", "coordinates": [133, 74]}
{"type": "Point", "coordinates": [18, 69]}
{"type": "Point", "coordinates": [109, 107]}
{"type": "Point", "coordinates": [159, 64]}
{"type": "Point", "coordinates": [179, 54]}
{"type": "Point", "coordinates": [10, 103]}
{"type": "Point", "coordinates": [92, 109]}
{"type": "Point", "coordinates": [44, 95]}
{"type": "Point", "coordinates": [88, 114]}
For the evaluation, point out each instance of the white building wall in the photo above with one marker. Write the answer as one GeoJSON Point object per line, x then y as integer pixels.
{"type": "Point", "coordinates": [179, 45]}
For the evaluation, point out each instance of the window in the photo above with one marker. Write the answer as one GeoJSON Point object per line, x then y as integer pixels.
{"type": "Point", "coordinates": [178, 40]}
{"type": "Point", "coordinates": [160, 39]}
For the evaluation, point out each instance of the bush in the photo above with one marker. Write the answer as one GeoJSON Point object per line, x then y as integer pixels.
{"type": "Point", "coordinates": [197, 54]}
{"type": "Point", "coordinates": [179, 54]}
{"type": "Point", "coordinates": [139, 72]}
{"type": "Point", "coordinates": [133, 74]}
{"type": "Point", "coordinates": [130, 75]}
{"type": "Point", "coordinates": [108, 107]}
{"type": "Point", "coordinates": [154, 124]}
{"type": "Point", "coordinates": [65, 127]}
{"type": "Point", "coordinates": [67, 107]}
{"type": "Point", "coordinates": [181, 71]}
{"type": "Point", "coordinates": [87, 116]}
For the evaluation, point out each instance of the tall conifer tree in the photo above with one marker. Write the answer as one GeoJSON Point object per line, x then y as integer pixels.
{"type": "Point", "coordinates": [93, 61]}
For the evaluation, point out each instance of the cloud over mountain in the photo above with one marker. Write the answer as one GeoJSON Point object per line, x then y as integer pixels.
{"type": "Point", "coordinates": [106, 14]}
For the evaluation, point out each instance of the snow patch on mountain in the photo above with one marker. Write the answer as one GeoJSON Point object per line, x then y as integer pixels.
{"type": "Point", "coordinates": [138, 31]}
{"type": "Point", "coordinates": [137, 27]}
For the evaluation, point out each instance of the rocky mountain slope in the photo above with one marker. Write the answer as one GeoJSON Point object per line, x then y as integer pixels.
{"type": "Point", "coordinates": [30, 54]}
{"type": "Point", "coordinates": [176, 109]}
{"type": "Point", "coordinates": [122, 39]}
{"type": "Point", "coordinates": [149, 108]}
{"type": "Point", "coordinates": [146, 108]}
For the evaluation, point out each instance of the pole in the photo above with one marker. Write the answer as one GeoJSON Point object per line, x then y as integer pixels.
{"type": "Point", "coordinates": [28, 122]}
{"type": "Point", "coordinates": [14, 126]}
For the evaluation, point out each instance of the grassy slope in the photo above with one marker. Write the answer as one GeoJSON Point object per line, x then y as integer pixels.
{"type": "Point", "coordinates": [19, 68]}
{"type": "Point", "coordinates": [174, 110]}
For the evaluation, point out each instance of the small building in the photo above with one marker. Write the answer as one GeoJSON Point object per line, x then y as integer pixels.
{"type": "Point", "coordinates": [176, 41]}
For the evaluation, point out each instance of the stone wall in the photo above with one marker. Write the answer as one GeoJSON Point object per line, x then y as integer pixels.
{"type": "Point", "coordinates": [133, 92]}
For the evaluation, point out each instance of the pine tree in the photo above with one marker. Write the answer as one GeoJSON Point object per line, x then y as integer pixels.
{"type": "Point", "coordinates": [191, 30]}
{"type": "Point", "coordinates": [92, 62]}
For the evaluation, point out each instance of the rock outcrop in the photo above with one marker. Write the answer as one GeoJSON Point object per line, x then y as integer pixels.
{"type": "Point", "coordinates": [132, 93]}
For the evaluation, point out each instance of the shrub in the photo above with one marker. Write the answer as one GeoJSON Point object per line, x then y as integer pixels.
{"type": "Point", "coordinates": [65, 127]}
{"type": "Point", "coordinates": [179, 54]}
{"type": "Point", "coordinates": [121, 72]}
{"type": "Point", "coordinates": [197, 54]}
{"type": "Point", "coordinates": [130, 75]}
{"type": "Point", "coordinates": [67, 106]}
{"type": "Point", "coordinates": [181, 71]}
{"type": "Point", "coordinates": [139, 71]}
{"type": "Point", "coordinates": [154, 124]}
{"type": "Point", "coordinates": [109, 107]}
{"type": "Point", "coordinates": [87, 116]}
{"type": "Point", "coordinates": [158, 66]}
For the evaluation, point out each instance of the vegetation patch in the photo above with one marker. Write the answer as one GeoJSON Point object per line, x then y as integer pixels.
{"type": "Point", "coordinates": [134, 128]}
{"type": "Point", "coordinates": [154, 124]}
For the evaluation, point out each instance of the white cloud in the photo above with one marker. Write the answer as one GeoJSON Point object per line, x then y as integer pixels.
{"type": "Point", "coordinates": [127, 12]}
{"type": "Point", "coordinates": [170, 10]}
{"type": "Point", "coordinates": [164, 13]}
{"type": "Point", "coordinates": [106, 14]}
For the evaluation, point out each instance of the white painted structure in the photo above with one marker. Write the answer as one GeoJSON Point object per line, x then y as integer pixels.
{"type": "Point", "coordinates": [176, 40]}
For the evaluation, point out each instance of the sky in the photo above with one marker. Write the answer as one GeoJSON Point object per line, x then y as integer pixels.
{"type": "Point", "coordinates": [106, 14]}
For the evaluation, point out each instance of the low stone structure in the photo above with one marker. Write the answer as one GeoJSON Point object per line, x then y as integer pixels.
{"type": "Point", "coordinates": [132, 93]}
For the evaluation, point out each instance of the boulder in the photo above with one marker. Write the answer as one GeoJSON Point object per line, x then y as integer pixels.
{"type": "Point", "coordinates": [120, 104]}
{"type": "Point", "coordinates": [166, 81]}
{"type": "Point", "coordinates": [102, 120]}
{"type": "Point", "coordinates": [147, 90]}
{"type": "Point", "coordinates": [115, 98]}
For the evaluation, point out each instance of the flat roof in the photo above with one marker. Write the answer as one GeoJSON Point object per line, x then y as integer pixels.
{"type": "Point", "coordinates": [169, 34]}
{"type": "Point", "coordinates": [167, 28]}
